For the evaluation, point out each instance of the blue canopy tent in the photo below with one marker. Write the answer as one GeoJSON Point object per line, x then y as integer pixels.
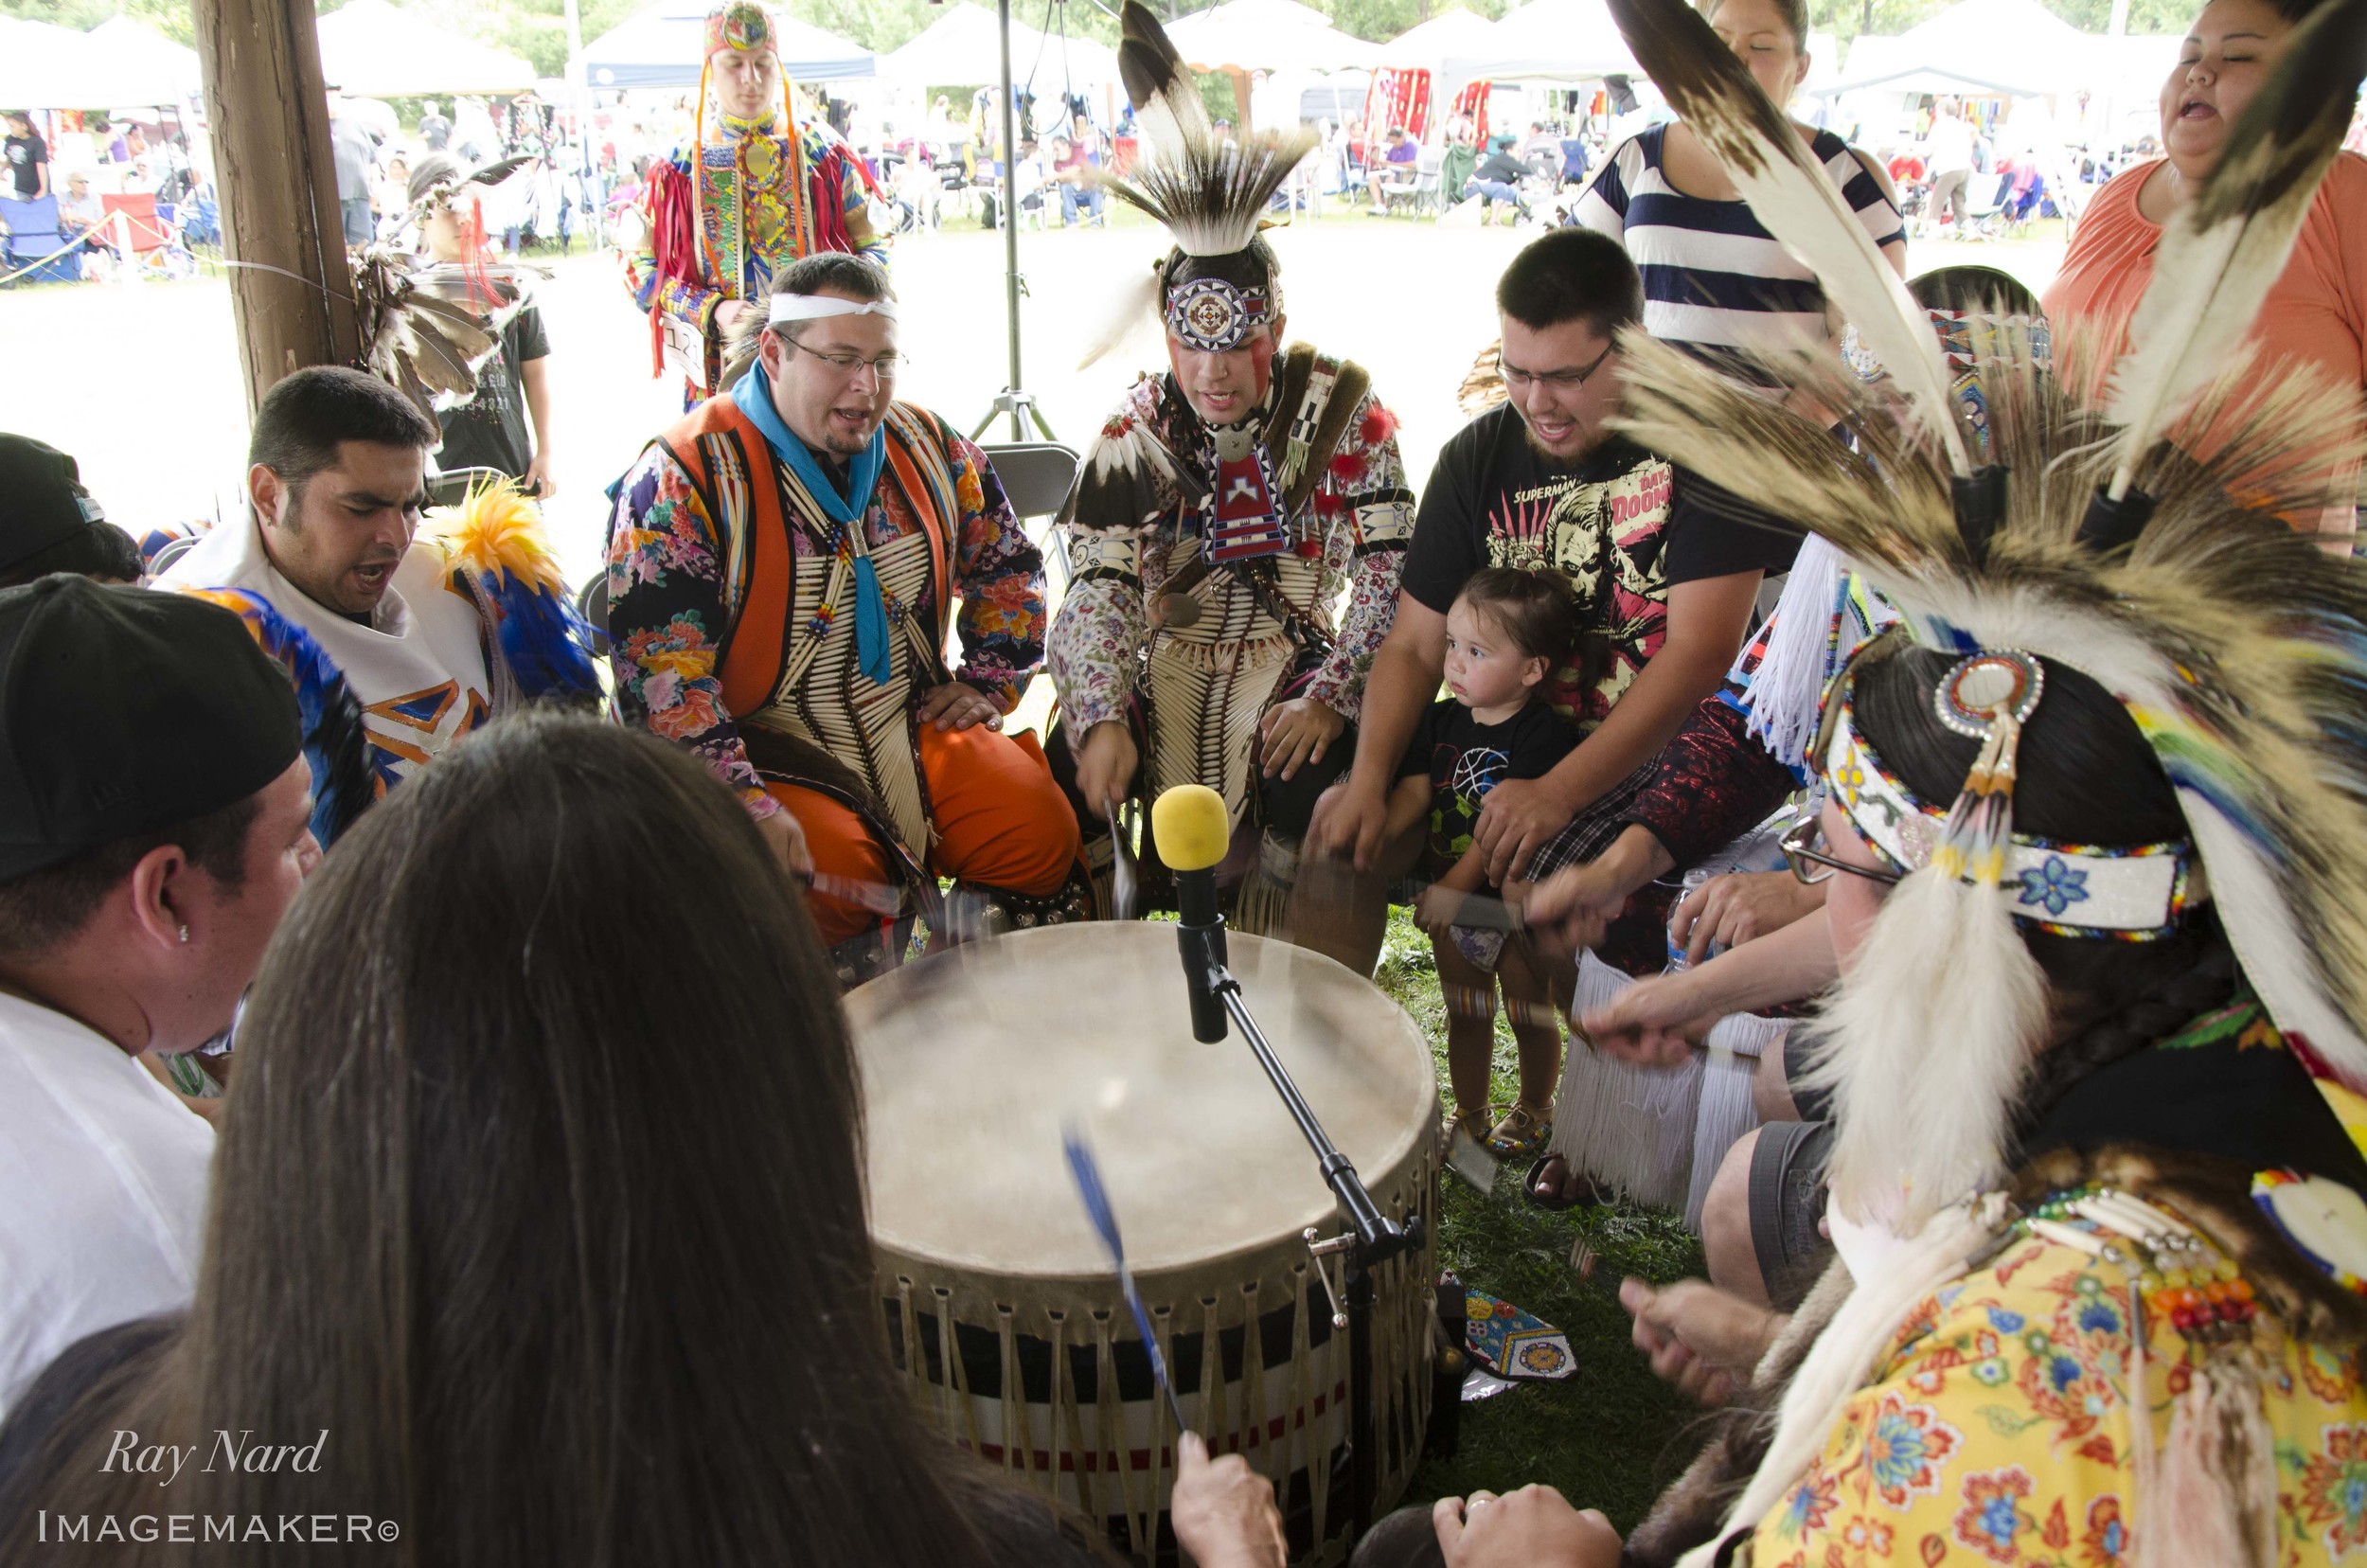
{"type": "Point", "coordinates": [660, 47]}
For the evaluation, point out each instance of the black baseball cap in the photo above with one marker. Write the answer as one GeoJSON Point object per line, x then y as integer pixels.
{"type": "Point", "coordinates": [126, 710]}
{"type": "Point", "coordinates": [42, 498]}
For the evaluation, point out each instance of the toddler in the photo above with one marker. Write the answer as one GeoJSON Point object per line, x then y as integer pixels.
{"type": "Point", "coordinates": [1506, 632]}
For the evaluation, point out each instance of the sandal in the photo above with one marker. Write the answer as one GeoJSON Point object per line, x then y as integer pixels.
{"type": "Point", "coordinates": [1588, 1194]}
{"type": "Point", "coordinates": [1524, 1130]}
{"type": "Point", "coordinates": [1475, 1125]}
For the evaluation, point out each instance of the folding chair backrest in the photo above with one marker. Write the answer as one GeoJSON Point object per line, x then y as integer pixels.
{"type": "Point", "coordinates": [139, 212]}
{"type": "Point", "coordinates": [1036, 476]}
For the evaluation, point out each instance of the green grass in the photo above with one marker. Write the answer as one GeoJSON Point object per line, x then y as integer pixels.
{"type": "Point", "coordinates": [1611, 1436]}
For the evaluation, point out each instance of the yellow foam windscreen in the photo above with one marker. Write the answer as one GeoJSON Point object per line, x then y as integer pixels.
{"type": "Point", "coordinates": [1192, 826]}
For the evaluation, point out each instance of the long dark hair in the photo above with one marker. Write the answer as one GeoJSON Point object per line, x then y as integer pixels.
{"type": "Point", "coordinates": [2083, 775]}
{"type": "Point", "coordinates": [540, 1192]}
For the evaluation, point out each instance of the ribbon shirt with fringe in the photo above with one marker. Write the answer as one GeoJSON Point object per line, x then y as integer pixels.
{"type": "Point", "coordinates": [1350, 534]}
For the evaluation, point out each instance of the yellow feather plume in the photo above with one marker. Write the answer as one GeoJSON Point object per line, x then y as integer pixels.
{"type": "Point", "coordinates": [498, 528]}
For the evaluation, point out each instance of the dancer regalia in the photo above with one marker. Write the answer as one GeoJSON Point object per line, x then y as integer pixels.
{"type": "Point", "coordinates": [2097, 1056]}
{"type": "Point", "coordinates": [734, 205]}
{"type": "Point", "coordinates": [1207, 560]}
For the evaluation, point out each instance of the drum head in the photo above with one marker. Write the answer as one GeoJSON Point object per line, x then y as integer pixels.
{"type": "Point", "coordinates": [972, 1061]}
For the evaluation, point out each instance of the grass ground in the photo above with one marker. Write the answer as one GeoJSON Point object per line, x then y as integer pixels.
{"type": "Point", "coordinates": [1611, 1435]}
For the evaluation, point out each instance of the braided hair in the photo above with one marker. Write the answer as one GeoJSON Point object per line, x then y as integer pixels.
{"type": "Point", "coordinates": [2083, 775]}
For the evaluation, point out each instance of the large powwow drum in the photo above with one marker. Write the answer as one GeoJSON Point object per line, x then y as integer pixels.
{"type": "Point", "coordinates": [973, 1063]}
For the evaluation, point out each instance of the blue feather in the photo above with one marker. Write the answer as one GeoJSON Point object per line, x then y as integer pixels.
{"type": "Point", "coordinates": [545, 643]}
{"type": "Point", "coordinates": [336, 747]}
{"type": "Point", "coordinates": [1086, 1171]}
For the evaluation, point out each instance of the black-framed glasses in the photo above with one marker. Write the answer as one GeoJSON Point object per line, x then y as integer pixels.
{"type": "Point", "coordinates": [1803, 847]}
{"type": "Point", "coordinates": [885, 366]}
{"type": "Point", "coordinates": [1559, 381]}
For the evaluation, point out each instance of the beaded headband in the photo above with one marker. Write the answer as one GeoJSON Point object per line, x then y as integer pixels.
{"type": "Point", "coordinates": [2130, 893]}
{"type": "Point", "coordinates": [1213, 315]}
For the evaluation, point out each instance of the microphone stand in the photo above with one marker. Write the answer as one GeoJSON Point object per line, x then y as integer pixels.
{"type": "Point", "coordinates": [1372, 1238]}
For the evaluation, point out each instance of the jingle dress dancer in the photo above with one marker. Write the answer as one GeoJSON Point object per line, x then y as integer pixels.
{"type": "Point", "coordinates": [752, 192]}
{"type": "Point", "coordinates": [1224, 507]}
{"type": "Point", "coordinates": [783, 567]}
{"type": "Point", "coordinates": [2097, 836]}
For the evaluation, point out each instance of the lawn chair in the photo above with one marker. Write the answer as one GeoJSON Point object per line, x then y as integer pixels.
{"type": "Point", "coordinates": [33, 245]}
{"type": "Point", "coordinates": [1414, 191]}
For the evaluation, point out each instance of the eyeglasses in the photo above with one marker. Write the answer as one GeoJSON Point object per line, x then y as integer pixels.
{"type": "Point", "coordinates": [1560, 381]}
{"type": "Point", "coordinates": [848, 366]}
{"type": "Point", "coordinates": [1813, 865]}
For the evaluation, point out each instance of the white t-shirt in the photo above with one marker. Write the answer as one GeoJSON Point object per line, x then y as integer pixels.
{"type": "Point", "coordinates": [1950, 146]}
{"type": "Point", "coordinates": [418, 669]}
{"type": "Point", "coordinates": [105, 1174]}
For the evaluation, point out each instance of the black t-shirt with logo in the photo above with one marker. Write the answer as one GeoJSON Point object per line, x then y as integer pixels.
{"type": "Point", "coordinates": [1621, 524]}
{"type": "Point", "coordinates": [1464, 758]}
{"type": "Point", "coordinates": [490, 430]}
{"type": "Point", "coordinates": [26, 156]}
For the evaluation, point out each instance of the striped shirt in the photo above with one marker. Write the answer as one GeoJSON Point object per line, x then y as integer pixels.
{"type": "Point", "coordinates": [1713, 278]}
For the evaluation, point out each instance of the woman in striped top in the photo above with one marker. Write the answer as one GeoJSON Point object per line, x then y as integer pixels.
{"type": "Point", "coordinates": [1715, 283]}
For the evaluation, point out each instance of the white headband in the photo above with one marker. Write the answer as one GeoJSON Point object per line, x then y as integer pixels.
{"type": "Point", "coordinates": [793, 307]}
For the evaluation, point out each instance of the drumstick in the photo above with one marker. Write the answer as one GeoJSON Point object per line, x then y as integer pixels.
{"type": "Point", "coordinates": [1124, 879]}
{"type": "Point", "coordinates": [1087, 1173]}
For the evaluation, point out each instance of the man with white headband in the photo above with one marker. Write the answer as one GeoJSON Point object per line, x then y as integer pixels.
{"type": "Point", "coordinates": [1228, 506]}
{"type": "Point", "coordinates": [783, 567]}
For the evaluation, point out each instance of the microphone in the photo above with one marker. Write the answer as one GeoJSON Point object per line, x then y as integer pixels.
{"type": "Point", "coordinates": [1193, 831]}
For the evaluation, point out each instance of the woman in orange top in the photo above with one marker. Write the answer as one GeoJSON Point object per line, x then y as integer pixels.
{"type": "Point", "coordinates": [2317, 312]}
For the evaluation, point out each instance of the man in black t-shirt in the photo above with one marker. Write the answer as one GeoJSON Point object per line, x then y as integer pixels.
{"type": "Point", "coordinates": [491, 430]}
{"type": "Point", "coordinates": [1666, 566]}
{"type": "Point", "coordinates": [28, 157]}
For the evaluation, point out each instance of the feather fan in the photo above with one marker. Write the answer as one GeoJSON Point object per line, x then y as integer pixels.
{"type": "Point", "coordinates": [1210, 194]}
{"type": "Point", "coordinates": [1716, 96]}
{"type": "Point", "coordinates": [2220, 254]}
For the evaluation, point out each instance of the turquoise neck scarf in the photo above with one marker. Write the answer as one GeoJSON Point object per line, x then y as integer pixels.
{"type": "Point", "coordinates": [753, 396]}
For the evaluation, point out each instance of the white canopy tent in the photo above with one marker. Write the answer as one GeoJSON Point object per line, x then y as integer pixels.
{"type": "Point", "coordinates": [2006, 48]}
{"type": "Point", "coordinates": [964, 45]}
{"type": "Point", "coordinates": [1545, 41]}
{"type": "Point", "coordinates": [149, 51]}
{"type": "Point", "coordinates": [371, 50]}
{"type": "Point", "coordinates": [664, 46]}
{"type": "Point", "coordinates": [1426, 44]}
{"type": "Point", "coordinates": [1267, 35]}
{"type": "Point", "coordinates": [46, 67]}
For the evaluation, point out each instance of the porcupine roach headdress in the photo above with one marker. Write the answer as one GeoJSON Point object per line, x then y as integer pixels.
{"type": "Point", "coordinates": [1218, 284]}
{"type": "Point", "coordinates": [2087, 542]}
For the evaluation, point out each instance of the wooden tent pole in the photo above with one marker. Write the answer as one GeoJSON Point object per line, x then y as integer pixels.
{"type": "Point", "coordinates": [293, 296]}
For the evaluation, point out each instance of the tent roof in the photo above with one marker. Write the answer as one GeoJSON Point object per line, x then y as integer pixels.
{"type": "Point", "coordinates": [1426, 44]}
{"type": "Point", "coordinates": [46, 67]}
{"type": "Point", "coordinates": [1547, 41]}
{"type": "Point", "coordinates": [371, 50]}
{"type": "Point", "coordinates": [149, 49]}
{"type": "Point", "coordinates": [1268, 35]}
{"type": "Point", "coordinates": [664, 46]}
{"type": "Point", "coordinates": [964, 45]}
{"type": "Point", "coordinates": [2018, 48]}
